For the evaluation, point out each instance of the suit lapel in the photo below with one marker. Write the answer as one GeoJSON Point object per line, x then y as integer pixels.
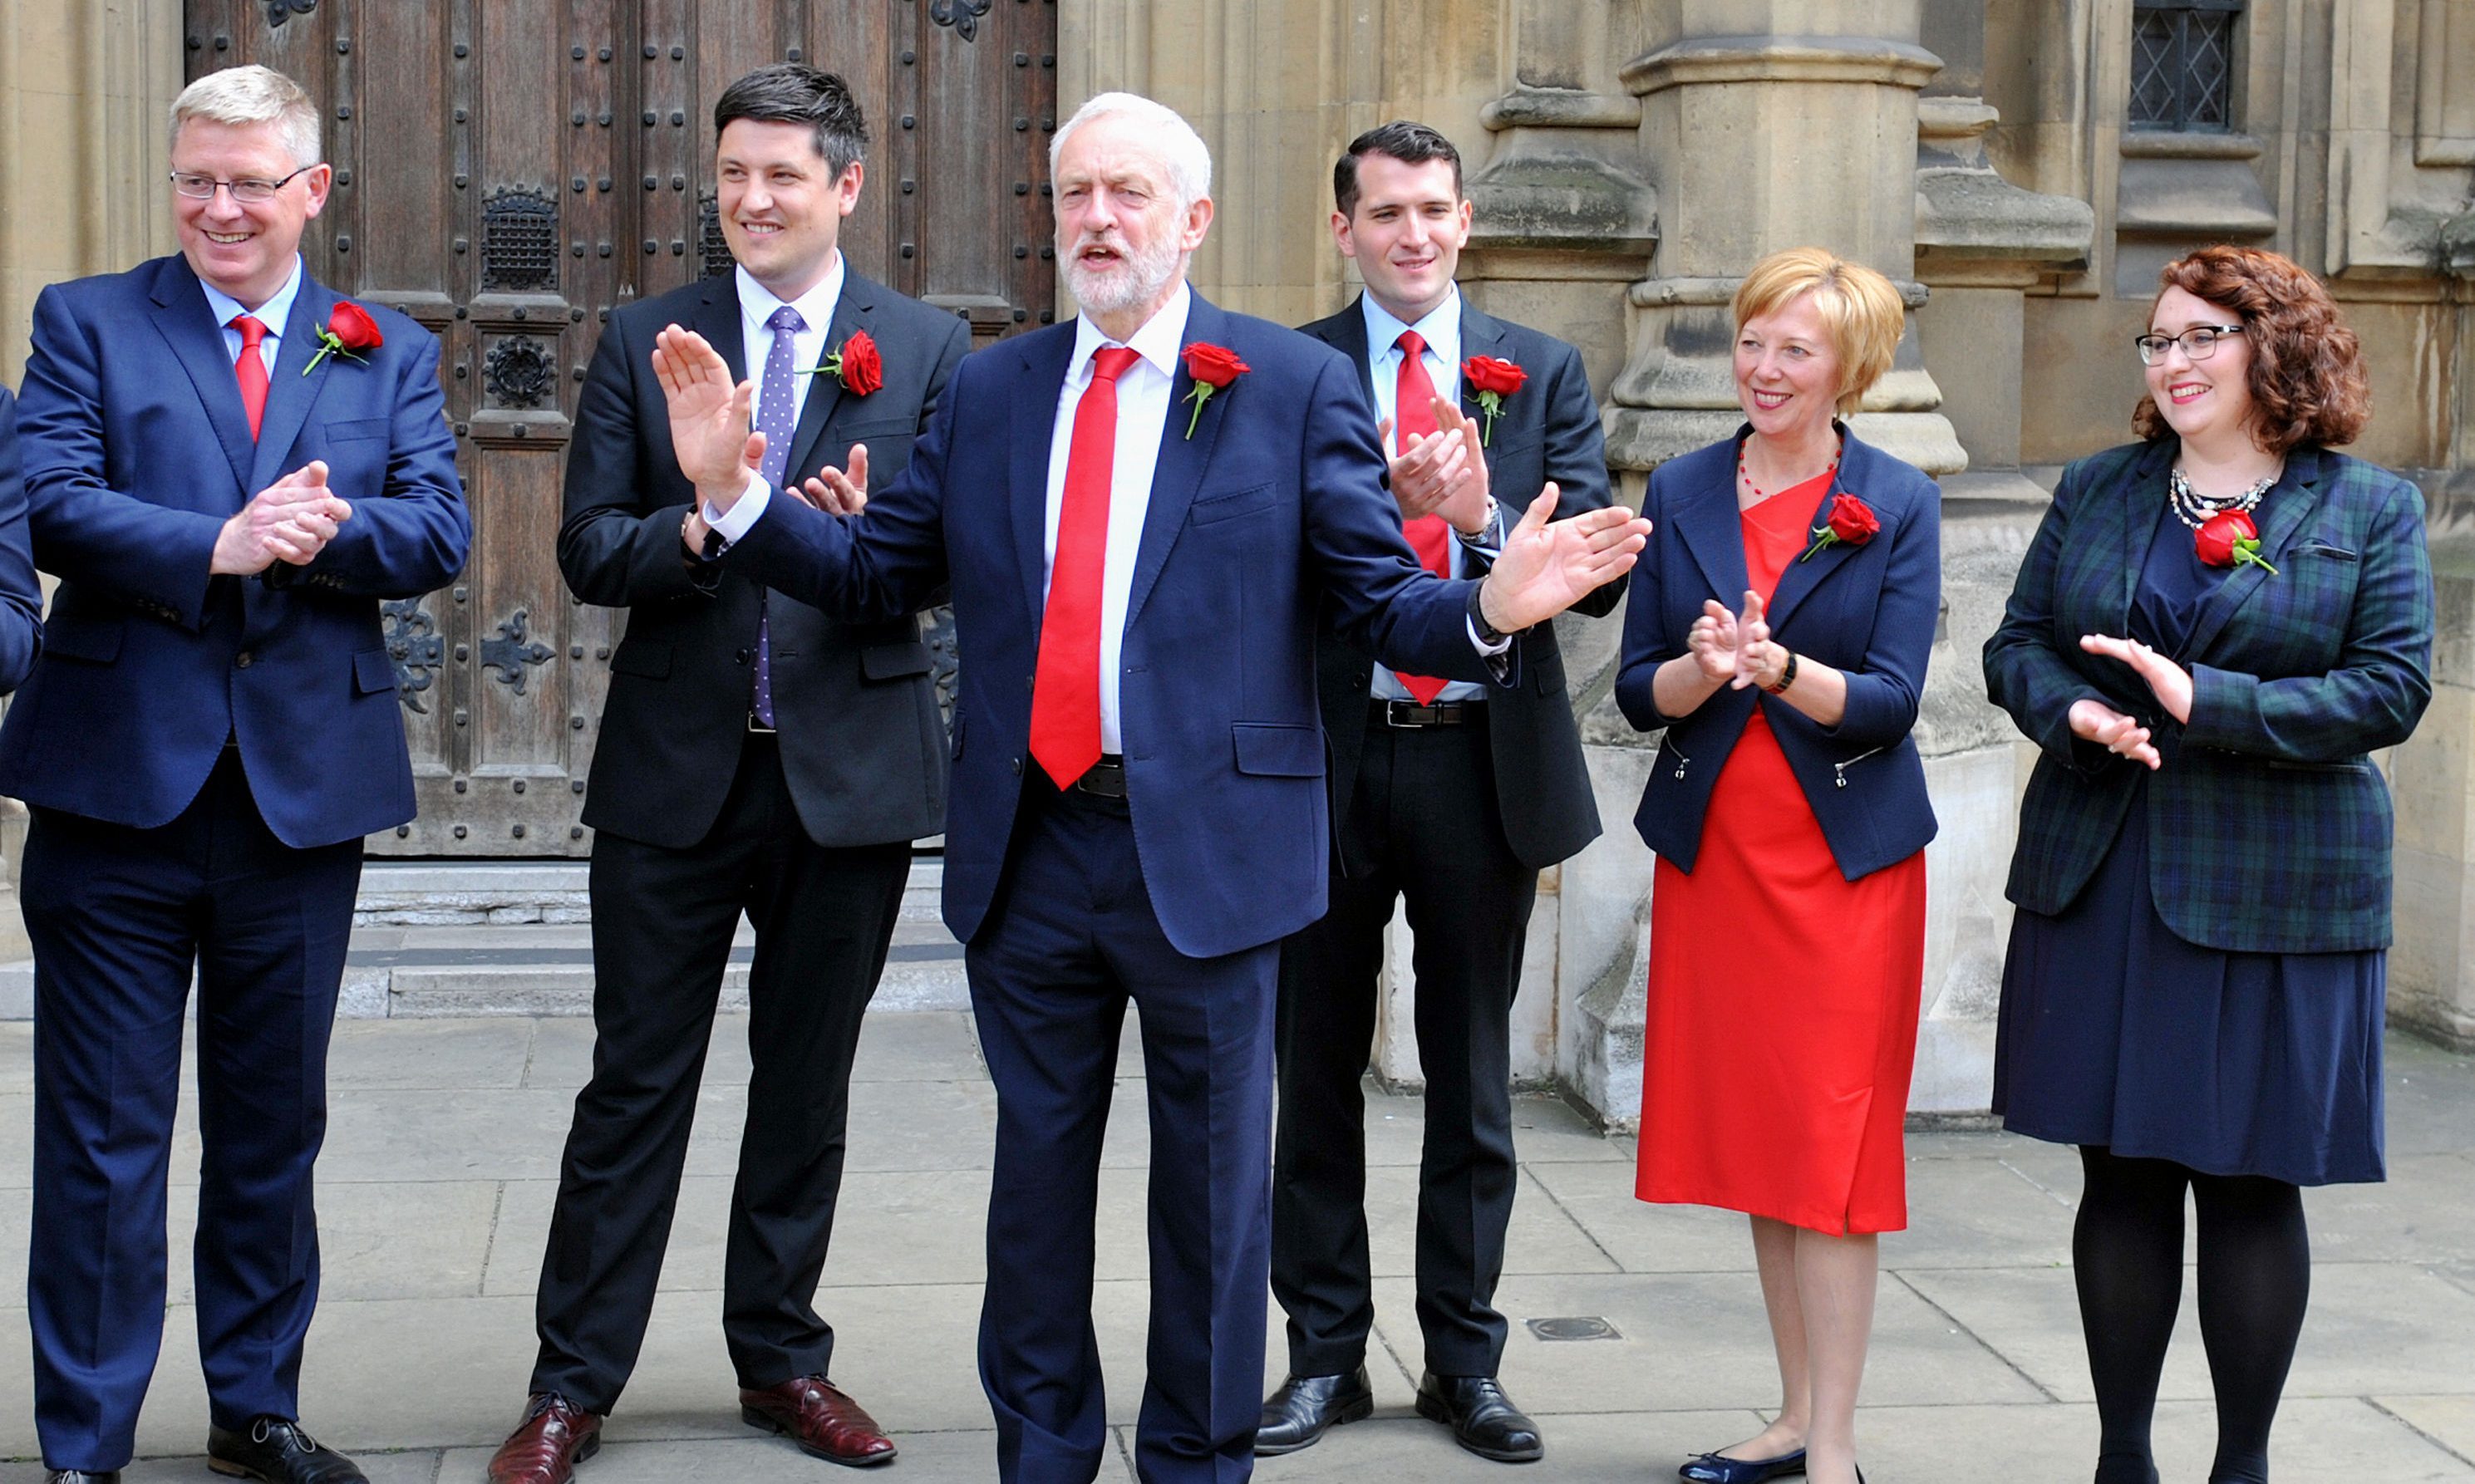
{"type": "Point", "coordinates": [1033, 412]}
{"type": "Point", "coordinates": [2280, 514]}
{"type": "Point", "coordinates": [289, 394]}
{"type": "Point", "coordinates": [1179, 471]}
{"type": "Point", "coordinates": [1713, 531]}
{"type": "Point", "coordinates": [189, 328]}
{"type": "Point", "coordinates": [854, 311]}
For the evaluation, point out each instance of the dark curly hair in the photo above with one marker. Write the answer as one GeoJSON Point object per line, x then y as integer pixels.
{"type": "Point", "coordinates": [2307, 377]}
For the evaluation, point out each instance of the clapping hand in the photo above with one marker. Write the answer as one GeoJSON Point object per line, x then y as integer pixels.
{"type": "Point", "coordinates": [2098, 722]}
{"type": "Point", "coordinates": [290, 520]}
{"type": "Point", "coordinates": [836, 493]}
{"type": "Point", "coordinates": [2170, 683]}
{"type": "Point", "coordinates": [1442, 472]}
{"type": "Point", "coordinates": [1547, 567]}
{"type": "Point", "coordinates": [1756, 655]}
{"type": "Point", "coordinates": [709, 417]}
{"type": "Point", "coordinates": [1713, 642]}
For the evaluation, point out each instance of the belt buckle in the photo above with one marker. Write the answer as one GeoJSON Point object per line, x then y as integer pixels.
{"type": "Point", "coordinates": [758, 728]}
{"type": "Point", "coordinates": [1104, 779]}
{"type": "Point", "coordinates": [1412, 717]}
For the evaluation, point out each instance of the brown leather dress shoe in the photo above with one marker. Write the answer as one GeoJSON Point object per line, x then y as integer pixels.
{"type": "Point", "coordinates": [824, 1422]}
{"type": "Point", "coordinates": [554, 1437]}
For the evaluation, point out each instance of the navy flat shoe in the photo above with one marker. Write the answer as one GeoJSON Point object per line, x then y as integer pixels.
{"type": "Point", "coordinates": [1714, 1469]}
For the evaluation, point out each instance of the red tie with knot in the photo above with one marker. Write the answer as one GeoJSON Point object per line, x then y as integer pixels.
{"type": "Point", "coordinates": [251, 368]}
{"type": "Point", "coordinates": [1413, 414]}
{"type": "Point", "coordinates": [1066, 685]}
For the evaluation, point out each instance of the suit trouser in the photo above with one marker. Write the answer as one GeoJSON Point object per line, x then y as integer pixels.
{"type": "Point", "coordinates": [1072, 937]}
{"type": "Point", "coordinates": [119, 917]}
{"type": "Point", "coordinates": [662, 925]}
{"type": "Point", "coordinates": [1425, 812]}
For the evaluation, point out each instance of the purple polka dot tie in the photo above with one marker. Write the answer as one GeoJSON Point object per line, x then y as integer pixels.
{"type": "Point", "coordinates": [774, 401]}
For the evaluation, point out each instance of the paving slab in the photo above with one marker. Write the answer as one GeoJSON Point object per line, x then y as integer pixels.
{"type": "Point", "coordinates": [1581, 1448]}
{"type": "Point", "coordinates": [2446, 1422]}
{"type": "Point", "coordinates": [430, 1054]}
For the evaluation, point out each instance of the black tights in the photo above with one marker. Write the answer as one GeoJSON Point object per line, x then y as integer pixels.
{"type": "Point", "coordinates": [2255, 1278]}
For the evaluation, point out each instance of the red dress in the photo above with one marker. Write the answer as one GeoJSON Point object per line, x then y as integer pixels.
{"type": "Point", "coordinates": [1782, 1023]}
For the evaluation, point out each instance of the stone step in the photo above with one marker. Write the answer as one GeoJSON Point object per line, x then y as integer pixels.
{"type": "Point", "coordinates": [482, 893]}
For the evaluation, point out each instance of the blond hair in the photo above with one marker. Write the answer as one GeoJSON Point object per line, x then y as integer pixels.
{"type": "Point", "coordinates": [252, 95]}
{"type": "Point", "coordinates": [1860, 307]}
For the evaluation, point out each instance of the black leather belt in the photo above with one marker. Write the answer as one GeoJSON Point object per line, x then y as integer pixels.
{"type": "Point", "coordinates": [1105, 779]}
{"type": "Point", "coordinates": [1411, 716]}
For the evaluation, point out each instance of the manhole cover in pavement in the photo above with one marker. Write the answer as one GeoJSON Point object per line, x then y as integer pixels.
{"type": "Point", "coordinates": [1577, 1327]}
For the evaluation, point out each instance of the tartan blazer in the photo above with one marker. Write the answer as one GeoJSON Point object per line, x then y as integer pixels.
{"type": "Point", "coordinates": [2269, 827]}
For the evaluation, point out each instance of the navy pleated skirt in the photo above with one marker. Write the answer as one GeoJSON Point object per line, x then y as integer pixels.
{"type": "Point", "coordinates": [2116, 1032]}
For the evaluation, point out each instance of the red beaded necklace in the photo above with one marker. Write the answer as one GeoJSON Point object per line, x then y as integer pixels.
{"type": "Point", "coordinates": [1758, 496]}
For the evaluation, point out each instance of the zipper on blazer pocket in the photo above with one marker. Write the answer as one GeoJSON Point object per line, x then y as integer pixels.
{"type": "Point", "coordinates": [1839, 769]}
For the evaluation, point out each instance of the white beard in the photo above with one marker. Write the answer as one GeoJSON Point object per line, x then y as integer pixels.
{"type": "Point", "coordinates": [1140, 279]}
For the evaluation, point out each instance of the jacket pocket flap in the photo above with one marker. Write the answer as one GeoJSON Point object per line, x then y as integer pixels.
{"type": "Point", "coordinates": [73, 636]}
{"type": "Point", "coordinates": [650, 661]}
{"type": "Point", "coordinates": [1276, 751]}
{"type": "Point", "coordinates": [892, 662]}
{"type": "Point", "coordinates": [1207, 508]}
{"type": "Point", "coordinates": [2322, 548]}
{"type": "Point", "coordinates": [358, 428]}
{"type": "Point", "coordinates": [373, 672]}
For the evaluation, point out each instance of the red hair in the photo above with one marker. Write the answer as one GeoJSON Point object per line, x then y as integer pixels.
{"type": "Point", "coordinates": [2307, 377]}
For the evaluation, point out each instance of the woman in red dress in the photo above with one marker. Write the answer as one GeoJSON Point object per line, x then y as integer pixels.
{"type": "Point", "coordinates": [1777, 630]}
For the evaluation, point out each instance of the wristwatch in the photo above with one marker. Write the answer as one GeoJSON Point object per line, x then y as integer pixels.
{"type": "Point", "coordinates": [1487, 633]}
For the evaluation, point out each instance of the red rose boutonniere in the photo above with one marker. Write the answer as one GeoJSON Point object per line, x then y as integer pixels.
{"type": "Point", "coordinates": [1849, 522]}
{"type": "Point", "coordinates": [349, 331]}
{"type": "Point", "coordinates": [1494, 381]}
{"type": "Point", "coordinates": [1213, 367]}
{"type": "Point", "coordinates": [2229, 539]}
{"type": "Point", "coordinates": [856, 365]}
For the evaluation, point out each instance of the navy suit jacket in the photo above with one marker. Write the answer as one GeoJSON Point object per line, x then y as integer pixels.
{"type": "Point", "coordinates": [1548, 430]}
{"type": "Point", "coordinates": [21, 596]}
{"type": "Point", "coordinates": [136, 452]}
{"type": "Point", "coordinates": [1868, 611]}
{"type": "Point", "coordinates": [1275, 504]}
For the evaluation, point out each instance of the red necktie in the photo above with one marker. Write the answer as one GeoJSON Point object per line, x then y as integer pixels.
{"type": "Point", "coordinates": [1413, 414]}
{"type": "Point", "coordinates": [251, 368]}
{"type": "Point", "coordinates": [1065, 688]}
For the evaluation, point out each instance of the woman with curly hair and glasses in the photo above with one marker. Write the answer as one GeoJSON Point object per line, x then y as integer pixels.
{"type": "Point", "coordinates": [2213, 629]}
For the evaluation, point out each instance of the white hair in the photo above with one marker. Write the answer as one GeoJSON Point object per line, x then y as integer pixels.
{"type": "Point", "coordinates": [252, 95]}
{"type": "Point", "coordinates": [1181, 151]}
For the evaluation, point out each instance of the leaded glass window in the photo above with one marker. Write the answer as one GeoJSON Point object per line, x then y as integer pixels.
{"type": "Point", "coordinates": [2183, 64]}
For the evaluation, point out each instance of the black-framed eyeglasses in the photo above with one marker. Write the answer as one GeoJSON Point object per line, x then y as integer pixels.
{"type": "Point", "coordinates": [250, 190]}
{"type": "Point", "coordinates": [2198, 343]}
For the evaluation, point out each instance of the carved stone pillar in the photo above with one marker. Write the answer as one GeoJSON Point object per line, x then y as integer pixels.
{"type": "Point", "coordinates": [1772, 126]}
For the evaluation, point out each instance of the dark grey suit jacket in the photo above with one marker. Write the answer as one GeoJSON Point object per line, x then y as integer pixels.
{"type": "Point", "coordinates": [862, 743]}
{"type": "Point", "coordinates": [1548, 430]}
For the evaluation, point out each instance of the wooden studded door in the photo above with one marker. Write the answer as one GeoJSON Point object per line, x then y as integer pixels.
{"type": "Point", "coordinates": [506, 171]}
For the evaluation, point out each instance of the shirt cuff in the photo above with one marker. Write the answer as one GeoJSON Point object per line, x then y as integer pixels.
{"type": "Point", "coordinates": [744, 512]}
{"type": "Point", "coordinates": [1489, 650]}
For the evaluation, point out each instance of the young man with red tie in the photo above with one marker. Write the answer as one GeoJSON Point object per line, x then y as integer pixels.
{"type": "Point", "coordinates": [1138, 513]}
{"type": "Point", "coordinates": [1447, 795]}
{"type": "Point", "coordinates": [226, 497]}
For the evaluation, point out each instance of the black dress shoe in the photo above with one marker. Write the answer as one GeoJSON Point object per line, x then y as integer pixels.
{"type": "Point", "coordinates": [83, 1477]}
{"type": "Point", "coordinates": [275, 1449]}
{"type": "Point", "coordinates": [1305, 1405]}
{"type": "Point", "coordinates": [1482, 1419]}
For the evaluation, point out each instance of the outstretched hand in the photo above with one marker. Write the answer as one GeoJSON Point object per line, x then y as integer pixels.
{"type": "Point", "coordinates": [1548, 566]}
{"type": "Point", "coordinates": [836, 493]}
{"type": "Point", "coordinates": [709, 416]}
{"type": "Point", "coordinates": [2098, 722]}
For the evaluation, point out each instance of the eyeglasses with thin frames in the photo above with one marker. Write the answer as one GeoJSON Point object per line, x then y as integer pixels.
{"type": "Point", "coordinates": [2198, 343]}
{"type": "Point", "coordinates": [248, 190]}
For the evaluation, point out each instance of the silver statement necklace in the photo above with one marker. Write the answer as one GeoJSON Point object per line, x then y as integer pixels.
{"type": "Point", "coordinates": [2194, 508]}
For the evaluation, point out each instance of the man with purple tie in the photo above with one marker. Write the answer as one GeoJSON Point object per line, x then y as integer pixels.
{"type": "Point", "coordinates": [756, 754]}
{"type": "Point", "coordinates": [225, 499]}
{"type": "Point", "coordinates": [1139, 513]}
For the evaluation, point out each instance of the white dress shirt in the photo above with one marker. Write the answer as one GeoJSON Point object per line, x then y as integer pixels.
{"type": "Point", "coordinates": [1441, 330]}
{"type": "Point", "coordinates": [808, 351]}
{"type": "Point", "coordinates": [274, 314]}
{"type": "Point", "coordinates": [1142, 420]}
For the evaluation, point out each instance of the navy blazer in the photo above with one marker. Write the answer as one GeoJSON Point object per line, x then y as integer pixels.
{"type": "Point", "coordinates": [136, 452]}
{"type": "Point", "coordinates": [22, 595]}
{"type": "Point", "coordinates": [2269, 829]}
{"type": "Point", "coordinates": [1276, 502]}
{"type": "Point", "coordinates": [1548, 430]}
{"type": "Point", "coordinates": [1868, 611]}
